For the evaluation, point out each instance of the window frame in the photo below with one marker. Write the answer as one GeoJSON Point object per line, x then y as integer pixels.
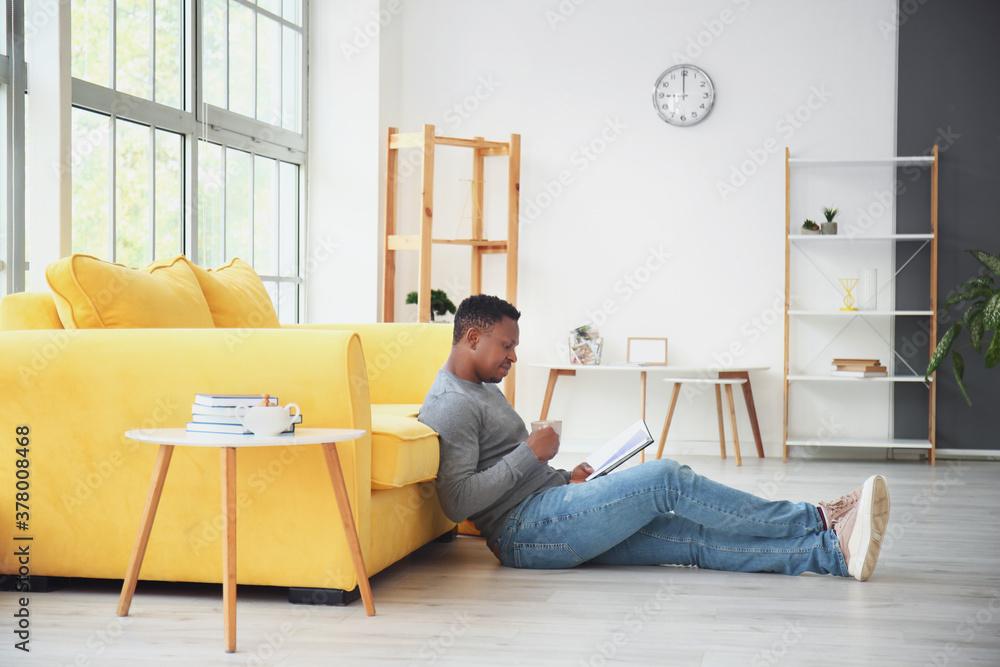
{"type": "Point", "coordinates": [13, 76]}
{"type": "Point", "coordinates": [199, 121]}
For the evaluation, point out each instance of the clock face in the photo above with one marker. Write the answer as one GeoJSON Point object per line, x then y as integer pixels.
{"type": "Point", "coordinates": [683, 95]}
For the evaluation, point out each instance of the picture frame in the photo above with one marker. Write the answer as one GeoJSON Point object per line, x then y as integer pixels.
{"type": "Point", "coordinates": [647, 351]}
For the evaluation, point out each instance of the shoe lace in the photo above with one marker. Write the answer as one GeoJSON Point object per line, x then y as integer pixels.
{"type": "Point", "coordinates": [838, 504]}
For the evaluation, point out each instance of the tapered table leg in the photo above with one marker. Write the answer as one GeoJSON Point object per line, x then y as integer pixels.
{"type": "Point", "coordinates": [751, 409]}
{"type": "Point", "coordinates": [732, 421]}
{"type": "Point", "coordinates": [347, 520]}
{"type": "Point", "coordinates": [554, 374]}
{"type": "Point", "coordinates": [642, 407]}
{"type": "Point", "coordinates": [722, 430]}
{"type": "Point", "coordinates": [145, 527]}
{"type": "Point", "coordinates": [228, 455]}
{"type": "Point", "coordinates": [670, 415]}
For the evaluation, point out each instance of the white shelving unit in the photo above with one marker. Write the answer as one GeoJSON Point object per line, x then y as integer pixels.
{"type": "Point", "coordinates": [828, 325]}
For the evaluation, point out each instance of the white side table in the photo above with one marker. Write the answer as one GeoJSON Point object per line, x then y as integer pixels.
{"type": "Point", "coordinates": [719, 382]}
{"type": "Point", "coordinates": [168, 438]}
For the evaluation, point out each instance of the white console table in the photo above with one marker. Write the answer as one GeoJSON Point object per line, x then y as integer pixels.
{"type": "Point", "coordinates": [670, 372]}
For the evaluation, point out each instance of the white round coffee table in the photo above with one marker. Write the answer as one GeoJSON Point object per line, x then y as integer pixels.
{"type": "Point", "coordinates": [168, 438]}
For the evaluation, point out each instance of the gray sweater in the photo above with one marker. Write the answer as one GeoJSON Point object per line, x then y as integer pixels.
{"type": "Point", "coordinates": [486, 468]}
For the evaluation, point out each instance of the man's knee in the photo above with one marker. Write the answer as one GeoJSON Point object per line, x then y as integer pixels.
{"type": "Point", "coordinates": [663, 468]}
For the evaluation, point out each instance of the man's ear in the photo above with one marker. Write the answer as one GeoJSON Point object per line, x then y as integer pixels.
{"type": "Point", "coordinates": [473, 335]}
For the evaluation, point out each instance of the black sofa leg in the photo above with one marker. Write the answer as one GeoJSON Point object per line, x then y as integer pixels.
{"type": "Point", "coordinates": [449, 536]}
{"type": "Point", "coordinates": [326, 596]}
{"type": "Point", "coordinates": [34, 583]}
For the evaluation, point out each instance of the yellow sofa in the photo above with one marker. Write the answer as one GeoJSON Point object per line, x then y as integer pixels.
{"type": "Point", "coordinates": [75, 391]}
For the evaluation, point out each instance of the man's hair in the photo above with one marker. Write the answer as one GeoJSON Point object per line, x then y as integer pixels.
{"type": "Point", "coordinates": [481, 311]}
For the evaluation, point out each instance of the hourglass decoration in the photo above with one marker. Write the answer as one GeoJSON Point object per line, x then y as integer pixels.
{"type": "Point", "coordinates": [849, 284]}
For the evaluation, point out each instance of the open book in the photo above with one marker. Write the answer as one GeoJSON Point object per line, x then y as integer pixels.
{"type": "Point", "coordinates": [619, 449]}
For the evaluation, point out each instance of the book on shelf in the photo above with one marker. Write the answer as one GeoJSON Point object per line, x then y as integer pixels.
{"type": "Point", "coordinates": [873, 366]}
{"type": "Point", "coordinates": [837, 361]}
{"type": "Point", "coordinates": [867, 368]}
{"type": "Point", "coordinates": [231, 400]}
{"type": "Point", "coordinates": [619, 449]}
{"type": "Point", "coordinates": [227, 429]}
{"type": "Point", "coordinates": [884, 372]}
{"type": "Point", "coordinates": [230, 420]}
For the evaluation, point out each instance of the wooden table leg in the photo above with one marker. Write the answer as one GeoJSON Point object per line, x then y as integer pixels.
{"type": "Point", "coordinates": [145, 527]}
{"type": "Point", "coordinates": [718, 409]}
{"type": "Point", "coordinates": [732, 421]}
{"type": "Point", "coordinates": [549, 388]}
{"type": "Point", "coordinates": [347, 520]}
{"type": "Point", "coordinates": [554, 374]}
{"type": "Point", "coordinates": [751, 409]}
{"type": "Point", "coordinates": [670, 415]}
{"type": "Point", "coordinates": [642, 407]}
{"type": "Point", "coordinates": [228, 455]}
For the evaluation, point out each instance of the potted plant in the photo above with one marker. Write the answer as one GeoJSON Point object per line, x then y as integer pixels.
{"type": "Point", "coordinates": [440, 303]}
{"type": "Point", "coordinates": [981, 317]}
{"type": "Point", "coordinates": [809, 227]}
{"type": "Point", "coordinates": [830, 226]}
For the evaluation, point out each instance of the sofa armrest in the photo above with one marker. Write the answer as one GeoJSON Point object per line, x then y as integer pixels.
{"type": "Point", "coordinates": [28, 310]}
{"type": "Point", "coordinates": [78, 391]}
{"type": "Point", "coordinates": [402, 358]}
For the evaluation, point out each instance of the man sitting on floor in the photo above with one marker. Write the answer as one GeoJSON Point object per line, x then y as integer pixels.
{"type": "Point", "coordinates": [660, 512]}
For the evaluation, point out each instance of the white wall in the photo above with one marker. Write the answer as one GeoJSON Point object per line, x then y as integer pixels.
{"type": "Point", "coordinates": [341, 261]}
{"type": "Point", "coordinates": [574, 80]}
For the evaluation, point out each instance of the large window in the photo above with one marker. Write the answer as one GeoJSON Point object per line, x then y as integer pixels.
{"type": "Point", "coordinates": [171, 158]}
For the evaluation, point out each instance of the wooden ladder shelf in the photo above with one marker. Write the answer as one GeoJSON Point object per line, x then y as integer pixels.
{"type": "Point", "coordinates": [423, 242]}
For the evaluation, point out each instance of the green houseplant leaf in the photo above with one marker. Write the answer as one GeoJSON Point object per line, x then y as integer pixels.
{"type": "Point", "coordinates": [981, 296]}
{"type": "Point", "coordinates": [993, 354]}
{"type": "Point", "coordinates": [968, 294]}
{"type": "Point", "coordinates": [942, 349]}
{"type": "Point", "coordinates": [974, 320]}
{"type": "Point", "coordinates": [991, 262]}
{"type": "Point", "coordinates": [981, 281]}
{"type": "Point", "coordinates": [958, 366]}
{"type": "Point", "coordinates": [991, 312]}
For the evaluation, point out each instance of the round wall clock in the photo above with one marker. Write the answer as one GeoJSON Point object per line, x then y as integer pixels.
{"type": "Point", "coordinates": [683, 95]}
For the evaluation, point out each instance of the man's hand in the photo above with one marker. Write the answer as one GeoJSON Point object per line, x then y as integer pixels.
{"type": "Point", "coordinates": [580, 473]}
{"type": "Point", "coordinates": [544, 442]}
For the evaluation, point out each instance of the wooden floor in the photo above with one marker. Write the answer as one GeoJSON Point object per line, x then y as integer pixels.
{"type": "Point", "coordinates": [933, 600]}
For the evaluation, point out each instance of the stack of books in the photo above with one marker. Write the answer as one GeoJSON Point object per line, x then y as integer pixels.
{"type": "Point", "coordinates": [858, 368]}
{"type": "Point", "coordinates": [216, 413]}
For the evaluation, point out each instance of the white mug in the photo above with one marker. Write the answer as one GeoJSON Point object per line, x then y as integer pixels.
{"type": "Point", "coordinates": [267, 420]}
{"type": "Point", "coordinates": [556, 425]}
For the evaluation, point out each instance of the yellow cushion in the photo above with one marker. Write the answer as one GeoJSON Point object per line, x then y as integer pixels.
{"type": "Point", "coordinates": [398, 409]}
{"type": "Point", "coordinates": [93, 294]}
{"type": "Point", "coordinates": [468, 528]}
{"type": "Point", "coordinates": [28, 310]}
{"type": "Point", "coordinates": [236, 296]}
{"type": "Point", "coordinates": [404, 451]}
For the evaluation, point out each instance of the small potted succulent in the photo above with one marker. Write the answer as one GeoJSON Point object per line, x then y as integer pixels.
{"type": "Point", "coordinates": [440, 303]}
{"type": "Point", "coordinates": [809, 227]}
{"type": "Point", "coordinates": [830, 226]}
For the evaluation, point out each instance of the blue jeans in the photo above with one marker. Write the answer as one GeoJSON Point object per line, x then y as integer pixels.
{"type": "Point", "coordinates": [662, 513]}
